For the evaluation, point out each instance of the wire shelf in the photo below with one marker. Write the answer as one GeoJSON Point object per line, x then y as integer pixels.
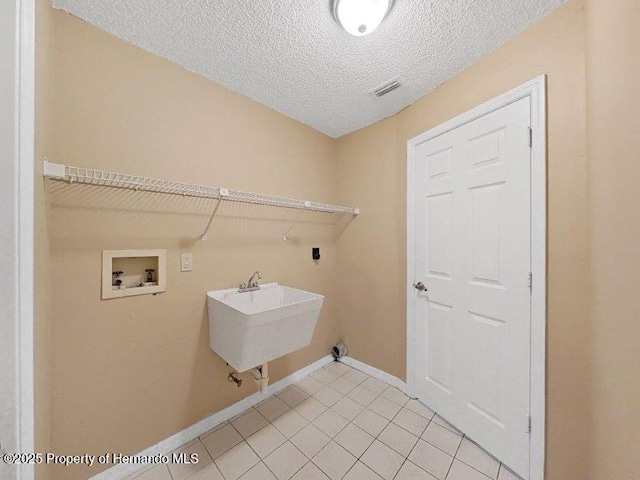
{"type": "Point", "coordinates": [105, 178]}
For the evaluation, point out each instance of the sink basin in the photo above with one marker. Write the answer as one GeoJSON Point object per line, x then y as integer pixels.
{"type": "Point", "coordinates": [251, 328]}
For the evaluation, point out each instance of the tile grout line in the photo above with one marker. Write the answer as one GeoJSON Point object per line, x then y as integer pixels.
{"type": "Point", "coordinates": [455, 456]}
{"type": "Point", "coordinates": [332, 439]}
{"type": "Point", "coordinates": [405, 458]}
{"type": "Point", "coordinates": [286, 438]}
{"type": "Point", "coordinates": [260, 459]}
{"type": "Point", "coordinates": [471, 466]}
{"type": "Point", "coordinates": [377, 436]}
{"type": "Point", "coordinates": [419, 437]}
{"type": "Point", "coordinates": [195, 440]}
{"type": "Point", "coordinates": [269, 422]}
{"type": "Point", "coordinates": [416, 444]}
{"type": "Point", "coordinates": [349, 422]}
{"type": "Point", "coordinates": [243, 440]}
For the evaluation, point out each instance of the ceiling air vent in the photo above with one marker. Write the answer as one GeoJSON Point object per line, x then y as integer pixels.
{"type": "Point", "coordinates": [388, 87]}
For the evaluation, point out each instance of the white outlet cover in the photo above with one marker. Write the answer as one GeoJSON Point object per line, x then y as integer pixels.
{"type": "Point", "coordinates": [186, 264]}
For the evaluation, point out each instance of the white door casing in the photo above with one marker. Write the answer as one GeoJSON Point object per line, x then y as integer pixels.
{"type": "Point", "coordinates": [8, 223]}
{"type": "Point", "coordinates": [476, 230]}
{"type": "Point", "coordinates": [17, 118]}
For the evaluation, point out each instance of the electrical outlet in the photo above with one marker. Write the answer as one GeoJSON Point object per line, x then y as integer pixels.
{"type": "Point", "coordinates": [186, 264]}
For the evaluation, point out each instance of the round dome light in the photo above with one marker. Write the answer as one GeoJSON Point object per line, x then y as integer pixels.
{"type": "Point", "coordinates": [360, 17]}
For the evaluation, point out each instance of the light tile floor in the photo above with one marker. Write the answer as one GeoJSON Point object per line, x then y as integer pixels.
{"type": "Point", "coordinates": [338, 423]}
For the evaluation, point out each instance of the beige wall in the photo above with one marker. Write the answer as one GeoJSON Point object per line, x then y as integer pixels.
{"type": "Point", "coordinates": [128, 373]}
{"type": "Point", "coordinates": [372, 253]}
{"type": "Point", "coordinates": [613, 108]}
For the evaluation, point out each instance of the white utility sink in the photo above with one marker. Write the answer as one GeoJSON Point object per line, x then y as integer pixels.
{"type": "Point", "coordinates": [251, 328]}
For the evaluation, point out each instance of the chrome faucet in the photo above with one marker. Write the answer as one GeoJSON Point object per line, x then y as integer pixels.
{"type": "Point", "coordinates": [251, 284]}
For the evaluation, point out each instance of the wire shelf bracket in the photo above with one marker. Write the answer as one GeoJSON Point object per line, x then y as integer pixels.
{"type": "Point", "coordinates": [103, 178]}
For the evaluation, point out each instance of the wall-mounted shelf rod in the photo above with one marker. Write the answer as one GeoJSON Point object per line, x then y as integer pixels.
{"type": "Point", "coordinates": [104, 178]}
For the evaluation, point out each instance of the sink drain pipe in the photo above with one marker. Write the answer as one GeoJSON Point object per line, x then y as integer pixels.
{"type": "Point", "coordinates": [261, 376]}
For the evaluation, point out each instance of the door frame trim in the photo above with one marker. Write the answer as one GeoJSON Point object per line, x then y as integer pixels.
{"type": "Point", "coordinates": [535, 90]}
{"type": "Point", "coordinates": [25, 202]}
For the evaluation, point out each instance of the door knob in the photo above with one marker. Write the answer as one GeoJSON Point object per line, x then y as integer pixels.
{"type": "Point", "coordinates": [420, 286]}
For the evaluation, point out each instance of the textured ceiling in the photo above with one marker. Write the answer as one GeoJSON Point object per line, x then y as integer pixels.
{"type": "Point", "coordinates": [292, 56]}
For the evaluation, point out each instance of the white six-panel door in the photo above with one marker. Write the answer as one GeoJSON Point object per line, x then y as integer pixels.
{"type": "Point", "coordinates": [472, 252]}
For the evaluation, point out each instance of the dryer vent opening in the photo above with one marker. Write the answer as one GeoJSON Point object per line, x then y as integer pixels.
{"type": "Point", "coordinates": [339, 350]}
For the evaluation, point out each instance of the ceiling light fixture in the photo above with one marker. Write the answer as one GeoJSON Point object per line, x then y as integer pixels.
{"type": "Point", "coordinates": [361, 17]}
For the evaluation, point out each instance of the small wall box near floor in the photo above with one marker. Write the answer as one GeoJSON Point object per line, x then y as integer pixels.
{"type": "Point", "coordinates": [133, 272]}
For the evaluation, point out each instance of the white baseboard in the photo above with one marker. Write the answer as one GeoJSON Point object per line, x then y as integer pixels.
{"type": "Point", "coordinates": [120, 471]}
{"type": "Point", "coordinates": [375, 373]}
